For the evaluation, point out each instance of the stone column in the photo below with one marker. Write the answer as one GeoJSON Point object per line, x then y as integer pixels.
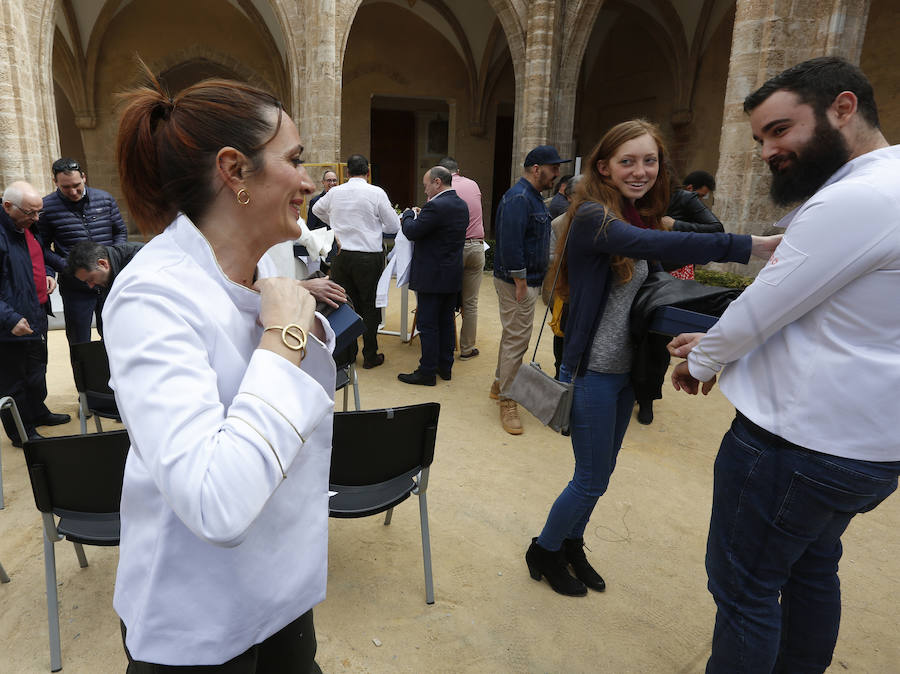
{"type": "Point", "coordinates": [29, 140]}
{"type": "Point", "coordinates": [765, 42]}
{"type": "Point", "coordinates": [533, 96]}
{"type": "Point", "coordinates": [319, 85]}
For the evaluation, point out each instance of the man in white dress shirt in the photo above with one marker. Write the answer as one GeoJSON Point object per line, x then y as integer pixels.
{"type": "Point", "coordinates": [360, 214]}
{"type": "Point", "coordinates": [812, 350]}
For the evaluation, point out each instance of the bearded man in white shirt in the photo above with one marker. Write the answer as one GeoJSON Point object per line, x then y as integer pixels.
{"type": "Point", "coordinates": [812, 350]}
{"type": "Point", "coordinates": [360, 214]}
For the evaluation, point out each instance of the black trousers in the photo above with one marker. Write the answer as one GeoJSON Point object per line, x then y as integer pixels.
{"type": "Point", "coordinates": [80, 305]}
{"type": "Point", "coordinates": [291, 650]}
{"type": "Point", "coordinates": [437, 332]}
{"type": "Point", "coordinates": [358, 273]}
{"type": "Point", "coordinates": [23, 375]}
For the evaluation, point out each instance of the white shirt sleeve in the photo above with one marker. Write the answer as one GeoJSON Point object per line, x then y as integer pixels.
{"type": "Point", "coordinates": [833, 240]}
{"type": "Point", "coordinates": [390, 221]}
{"type": "Point", "coordinates": [322, 208]}
{"type": "Point", "coordinates": [216, 465]}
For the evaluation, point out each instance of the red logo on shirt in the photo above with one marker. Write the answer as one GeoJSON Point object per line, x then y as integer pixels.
{"type": "Point", "coordinates": [773, 260]}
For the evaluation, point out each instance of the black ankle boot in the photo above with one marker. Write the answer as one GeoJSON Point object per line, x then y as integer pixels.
{"type": "Point", "coordinates": [553, 565]}
{"type": "Point", "coordinates": [573, 548]}
{"type": "Point", "coordinates": [645, 412]}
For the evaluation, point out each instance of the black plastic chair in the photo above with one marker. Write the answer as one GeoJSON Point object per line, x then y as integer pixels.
{"type": "Point", "coordinates": [379, 458]}
{"type": "Point", "coordinates": [77, 478]}
{"type": "Point", "coordinates": [90, 369]}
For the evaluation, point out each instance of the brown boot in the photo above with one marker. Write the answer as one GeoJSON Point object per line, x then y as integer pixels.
{"type": "Point", "coordinates": [495, 390]}
{"type": "Point", "coordinates": [509, 417]}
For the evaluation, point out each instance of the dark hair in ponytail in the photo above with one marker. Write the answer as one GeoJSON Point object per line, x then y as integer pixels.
{"type": "Point", "coordinates": [166, 147]}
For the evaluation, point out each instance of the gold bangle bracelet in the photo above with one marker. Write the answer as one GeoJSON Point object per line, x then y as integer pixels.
{"type": "Point", "coordinates": [292, 336]}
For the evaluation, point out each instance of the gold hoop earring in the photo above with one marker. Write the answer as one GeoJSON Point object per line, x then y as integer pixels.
{"type": "Point", "coordinates": [245, 199]}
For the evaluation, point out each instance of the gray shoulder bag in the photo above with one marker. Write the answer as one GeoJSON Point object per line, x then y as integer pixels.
{"type": "Point", "coordinates": [548, 399]}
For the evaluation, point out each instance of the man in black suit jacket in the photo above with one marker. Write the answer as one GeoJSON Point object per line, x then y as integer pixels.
{"type": "Point", "coordinates": [438, 231]}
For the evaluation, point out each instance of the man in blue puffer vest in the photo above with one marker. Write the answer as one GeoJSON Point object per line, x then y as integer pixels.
{"type": "Point", "coordinates": [75, 212]}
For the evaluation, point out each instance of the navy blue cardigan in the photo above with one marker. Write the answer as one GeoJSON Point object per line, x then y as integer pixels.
{"type": "Point", "coordinates": [591, 278]}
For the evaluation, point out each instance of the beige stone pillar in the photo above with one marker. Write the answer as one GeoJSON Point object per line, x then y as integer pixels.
{"type": "Point", "coordinates": [29, 140]}
{"type": "Point", "coordinates": [318, 85]}
{"type": "Point", "coordinates": [768, 38]}
{"type": "Point", "coordinates": [533, 94]}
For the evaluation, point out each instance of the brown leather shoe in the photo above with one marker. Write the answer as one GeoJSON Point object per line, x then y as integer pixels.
{"type": "Point", "coordinates": [509, 417]}
{"type": "Point", "coordinates": [495, 390]}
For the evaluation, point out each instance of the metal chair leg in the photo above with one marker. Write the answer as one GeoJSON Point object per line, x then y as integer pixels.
{"type": "Point", "coordinates": [82, 412]}
{"type": "Point", "coordinates": [3, 577]}
{"type": "Point", "coordinates": [387, 517]}
{"type": "Point", "coordinates": [354, 380]}
{"type": "Point", "coordinates": [426, 548]}
{"type": "Point", "coordinates": [79, 552]}
{"type": "Point", "coordinates": [97, 422]}
{"type": "Point", "coordinates": [52, 603]}
{"type": "Point", "coordinates": [345, 398]}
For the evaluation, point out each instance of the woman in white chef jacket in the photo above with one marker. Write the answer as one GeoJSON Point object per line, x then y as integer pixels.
{"type": "Point", "coordinates": [225, 382]}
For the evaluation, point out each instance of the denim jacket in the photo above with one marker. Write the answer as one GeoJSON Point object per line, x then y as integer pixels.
{"type": "Point", "coordinates": [522, 233]}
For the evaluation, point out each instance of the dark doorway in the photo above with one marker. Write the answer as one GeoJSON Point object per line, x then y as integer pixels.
{"type": "Point", "coordinates": [503, 148]}
{"type": "Point", "coordinates": [393, 143]}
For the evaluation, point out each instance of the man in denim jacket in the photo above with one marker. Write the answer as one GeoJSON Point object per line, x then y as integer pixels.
{"type": "Point", "coordinates": [522, 249]}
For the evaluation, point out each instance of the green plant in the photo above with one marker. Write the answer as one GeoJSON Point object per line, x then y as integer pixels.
{"type": "Point", "coordinates": [722, 279]}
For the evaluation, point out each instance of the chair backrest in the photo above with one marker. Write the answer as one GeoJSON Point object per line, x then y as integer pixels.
{"type": "Point", "coordinates": [90, 370]}
{"type": "Point", "coordinates": [373, 446]}
{"type": "Point", "coordinates": [90, 367]}
{"type": "Point", "coordinates": [78, 473]}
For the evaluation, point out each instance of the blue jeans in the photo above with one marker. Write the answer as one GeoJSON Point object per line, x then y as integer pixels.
{"type": "Point", "coordinates": [601, 409]}
{"type": "Point", "coordinates": [778, 513]}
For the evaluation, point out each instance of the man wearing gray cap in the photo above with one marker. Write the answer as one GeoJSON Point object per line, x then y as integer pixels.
{"type": "Point", "coordinates": [521, 253]}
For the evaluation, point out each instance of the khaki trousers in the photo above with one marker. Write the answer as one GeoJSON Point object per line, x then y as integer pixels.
{"type": "Point", "coordinates": [473, 272]}
{"type": "Point", "coordinates": [516, 320]}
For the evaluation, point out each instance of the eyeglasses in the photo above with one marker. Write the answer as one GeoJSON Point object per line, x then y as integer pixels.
{"type": "Point", "coordinates": [30, 214]}
{"type": "Point", "coordinates": [65, 168]}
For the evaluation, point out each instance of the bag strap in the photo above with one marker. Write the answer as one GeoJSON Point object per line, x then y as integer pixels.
{"type": "Point", "coordinates": [555, 279]}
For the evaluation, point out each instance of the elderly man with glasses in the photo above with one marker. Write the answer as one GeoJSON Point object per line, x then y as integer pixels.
{"type": "Point", "coordinates": [26, 281]}
{"type": "Point", "coordinates": [75, 212]}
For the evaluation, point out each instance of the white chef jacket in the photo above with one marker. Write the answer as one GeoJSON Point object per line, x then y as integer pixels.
{"type": "Point", "coordinates": [813, 345]}
{"type": "Point", "coordinates": [359, 214]}
{"type": "Point", "coordinates": [225, 498]}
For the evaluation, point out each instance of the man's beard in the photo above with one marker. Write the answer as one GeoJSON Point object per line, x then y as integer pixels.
{"type": "Point", "coordinates": [809, 168]}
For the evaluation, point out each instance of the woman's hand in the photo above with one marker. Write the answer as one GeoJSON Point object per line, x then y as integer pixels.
{"type": "Point", "coordinates": [285, 301]}
{"type": "Point", "coordinates": [764, 246]}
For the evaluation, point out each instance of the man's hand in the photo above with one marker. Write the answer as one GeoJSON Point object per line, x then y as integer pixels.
{"type": "Point", "coordinates": [51, 285]}
{"type": "Point", "coordinates": [22, 328]}
{"type": "Point", "coordinates": [683, 380]}
{"type": "Point", "coordinates": [667, 223]}
{"type": "Point", "coordinates": [521, 289]}
{"type": "Point", "coordinates": [325, 290]}
{"type": "Point", "coordinates": [683, 344]}
{"type": "Point", "coordinates": [764, 246]}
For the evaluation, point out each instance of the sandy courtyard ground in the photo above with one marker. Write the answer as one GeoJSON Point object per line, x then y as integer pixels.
{"type": "Point", "coordinates": [489, 494]}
